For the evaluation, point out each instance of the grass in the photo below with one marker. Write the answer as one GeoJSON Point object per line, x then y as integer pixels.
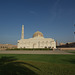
{"type": "Point", "coordinates": [71, 51]}
{"type": "Point", "coordinates": [30, 64]}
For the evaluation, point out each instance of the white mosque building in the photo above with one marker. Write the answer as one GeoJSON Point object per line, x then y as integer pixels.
{"type": "Point", "coordinates": [37, 41]}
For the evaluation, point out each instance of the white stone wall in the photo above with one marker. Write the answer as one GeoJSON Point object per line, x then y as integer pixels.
{"type": "Point", "coordinates": [37, 42]}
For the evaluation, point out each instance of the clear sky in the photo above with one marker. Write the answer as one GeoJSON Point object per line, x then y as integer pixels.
{"type": "Point", "coordinates": [54, 18]}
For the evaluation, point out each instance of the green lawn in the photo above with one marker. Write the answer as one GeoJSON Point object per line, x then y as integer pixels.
{"type": "Point", "coordinates": [71, 51]}
{"type": "Point", "coordinates": [29, 64]}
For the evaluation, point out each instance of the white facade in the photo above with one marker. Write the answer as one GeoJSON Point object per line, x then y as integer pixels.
{"type": "Point", "coordinates": [37, 41]}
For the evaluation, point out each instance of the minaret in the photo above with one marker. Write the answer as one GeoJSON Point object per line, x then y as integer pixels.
{"type": "Point", "coordinates": [56, 43]}
{"type": "Point", "coordinates": [22, 35]}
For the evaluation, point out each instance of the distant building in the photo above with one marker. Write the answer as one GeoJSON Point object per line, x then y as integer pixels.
{"type": "Point", "coordinates": [62, 44]}
{"type": "Point", "coordinates": [5, 46]}
{"type": "Point", "coordinates": [37, 41]}
{"type": "Point", "coordinates": [67, 45]}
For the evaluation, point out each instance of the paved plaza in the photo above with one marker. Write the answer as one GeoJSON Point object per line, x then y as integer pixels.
{"type": "Point", "coordinates": [33, 52]}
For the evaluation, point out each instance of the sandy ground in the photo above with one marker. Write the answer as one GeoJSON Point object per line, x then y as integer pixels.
{"type": "Point", "coordinates": [33, 52]}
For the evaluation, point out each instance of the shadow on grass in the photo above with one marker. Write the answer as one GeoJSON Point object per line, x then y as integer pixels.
{"type": "Point", "coordinates": [72, 61]}
{"type": "Point", "coordinates": [9, 66]}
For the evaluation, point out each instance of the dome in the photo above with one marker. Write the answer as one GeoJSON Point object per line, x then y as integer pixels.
{"type": "Point", "coordinates": [37, 34]}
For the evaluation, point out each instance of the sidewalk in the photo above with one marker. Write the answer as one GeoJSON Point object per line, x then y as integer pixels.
{"type": "Point", "coordinates": [34, 52]}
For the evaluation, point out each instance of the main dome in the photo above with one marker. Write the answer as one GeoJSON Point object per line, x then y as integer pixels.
{"type": "Point", "coordinates": [37, 34]}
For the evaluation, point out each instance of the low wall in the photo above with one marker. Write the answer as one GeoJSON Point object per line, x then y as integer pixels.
{"type": "Point", "coordinates": [66, 48]}
{"type": "Point", "coordinates": [2, 48]}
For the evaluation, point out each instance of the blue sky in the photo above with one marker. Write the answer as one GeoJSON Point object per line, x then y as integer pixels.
{"type": "Point", "coordinates": [54, 18]}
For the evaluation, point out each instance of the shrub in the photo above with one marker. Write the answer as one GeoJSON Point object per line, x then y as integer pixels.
{"type": "Point", "coordinates": [31, 49]}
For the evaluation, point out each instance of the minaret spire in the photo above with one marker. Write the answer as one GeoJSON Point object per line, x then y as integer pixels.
{"type": "Point", "coordinates": [22, 35]}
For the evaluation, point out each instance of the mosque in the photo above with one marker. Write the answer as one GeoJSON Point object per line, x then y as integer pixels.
{"type": "Point", "coordinates": [37, 41]}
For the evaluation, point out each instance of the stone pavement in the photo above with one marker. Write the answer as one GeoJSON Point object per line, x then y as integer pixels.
{"type": "Point", "coordinates": [33, 52]}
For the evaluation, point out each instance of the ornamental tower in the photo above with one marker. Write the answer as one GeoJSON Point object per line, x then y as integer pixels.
{"type": "Point", "coordinates": [22, 35]}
